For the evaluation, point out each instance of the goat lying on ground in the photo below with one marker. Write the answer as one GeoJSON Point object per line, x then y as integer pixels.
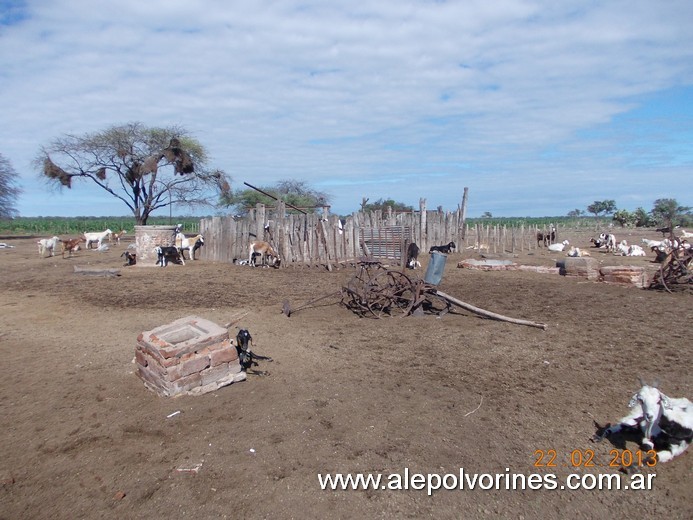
{"type": "Point", "coordinates": [447, 248]}
{"type": "Point", "coordinates": [71, 245]}
{"type": "Point", "coordinates": [413, 256]}
{"type": "Point", "coordinates": [665, 423]}
{"type": "Point", "coordinates": [576, 252]}
{"type": "Point", "coordinates": [130, 258]}
{"type": "Point", "coordinates": [48, 244]}
{"type": "Point", "coordinates": [166, 254]}
{"type": "Point", "coordinates": [597, 242]}
{"type": "Point", "coordinates": [623, 249]}
{"type": "Point", "coordinates": [557, 248]}
{"type": "Point", "coordinates": [686, 234]}
{"type": "Point", "coordinates": [651, 243]}
{"type": "Point", "coordinates": [268, 256]}
{"type": "Point", "coordinates": [247, 357]}
{"type": "Point", "coordinates": [96, 237]}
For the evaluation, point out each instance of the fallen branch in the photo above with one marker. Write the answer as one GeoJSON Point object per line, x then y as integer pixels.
{"type": "Point", "coordinates": [235, 319]}
{"type": "Point", "coordinates": [489, 314]}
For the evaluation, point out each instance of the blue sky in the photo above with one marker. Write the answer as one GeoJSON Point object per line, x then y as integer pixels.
{"type": "Point", "coordinates": [539, 107]}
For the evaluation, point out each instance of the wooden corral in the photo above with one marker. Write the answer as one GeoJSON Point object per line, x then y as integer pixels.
{"type": "Point", "coordinates": [305, 240]}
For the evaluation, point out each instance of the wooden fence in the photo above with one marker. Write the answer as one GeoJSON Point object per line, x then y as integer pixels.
{"type": "Point", "coordinates": [305, 240]}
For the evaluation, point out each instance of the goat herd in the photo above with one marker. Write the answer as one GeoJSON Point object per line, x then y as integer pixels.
{"type": "Point", "coordinates": [663, 425]}
{"type": "Point", "coordinates": [72, 245]}
{"type": "Point", "coordinates": [258, 250]}
{"type": "Point", "coordinates": [607, 242]}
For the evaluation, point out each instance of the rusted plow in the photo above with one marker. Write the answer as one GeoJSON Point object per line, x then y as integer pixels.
{"type": "Point", "coordinates": [676, 271]}
{"type": "Point", "coordinates": [375, 291]}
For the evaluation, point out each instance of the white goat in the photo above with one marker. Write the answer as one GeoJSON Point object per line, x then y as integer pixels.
{"type": "Point", "coordinates": [557, 248]}
{"type": "Point", "coordinates": [96, 237]}
{"type": "Point", "coordinates": [48, 244]}
{"type": "Point", "coordinates": [635, 250]}
{"type": "Point", "coordinates": [686, 234]}
{"type": "Point", "coordinates": [651, 243]}
{"type": "Point", "coordinates": [664, 422]}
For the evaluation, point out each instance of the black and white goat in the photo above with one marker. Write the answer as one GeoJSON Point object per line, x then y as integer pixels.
{"type": "Point", "coordinates": [247, 357]}
{"type": "Point", "coordinates": [665, 423]}
{"type": "Point", "coordinates": [166, 254]}
{"type": "Point", "coordinates": [413, 256]}
{"type": "Point", "coordinates": [447, 248]}
{"type": "Point", "coordinates": [610, 241]}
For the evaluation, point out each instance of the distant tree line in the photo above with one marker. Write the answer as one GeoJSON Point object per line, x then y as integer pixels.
{"type": "Point", "coordinates": [665, 213]}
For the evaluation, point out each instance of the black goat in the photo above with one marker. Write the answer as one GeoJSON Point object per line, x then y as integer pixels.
{"type": "Point", "coordinates": [447, 248]}
{"type": "Point", "coordinates": [166, 254]}
{"type": "Point", "coordinates": [130, 258]}
{"type": "Point", "coordinates": [247, 357]}
{"type": "Point", "coordinates": [413, 256]}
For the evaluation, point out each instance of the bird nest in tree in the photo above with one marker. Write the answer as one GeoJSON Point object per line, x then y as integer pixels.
{"type": "Point", "coordinates": [53, 171]}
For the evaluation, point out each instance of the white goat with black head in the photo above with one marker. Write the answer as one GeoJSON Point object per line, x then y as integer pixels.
{"type": "Point", "coordinates": [666, 423]}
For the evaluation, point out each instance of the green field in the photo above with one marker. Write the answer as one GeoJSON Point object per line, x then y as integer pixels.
{"type": "Point", "coordinates": [77, 225]}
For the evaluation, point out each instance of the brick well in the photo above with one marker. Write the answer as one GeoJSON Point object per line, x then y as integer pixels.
{"type": "Point", "coordinates": [190, 356]}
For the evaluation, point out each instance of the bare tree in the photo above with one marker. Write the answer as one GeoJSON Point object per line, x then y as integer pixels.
{"type": "Point", "coordinates": [9, 191]}
{"type": "Point", "coordinates": [146, 168]}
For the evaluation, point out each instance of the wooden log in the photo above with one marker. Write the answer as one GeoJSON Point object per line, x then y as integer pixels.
{"type": "Point", "coordinates": [489, 314]}
{"type": "Point", "coordinates": [93, 271]}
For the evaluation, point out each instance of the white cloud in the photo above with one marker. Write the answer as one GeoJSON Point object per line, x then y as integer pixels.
{"type": "Point", "coordinates": [394, 99]}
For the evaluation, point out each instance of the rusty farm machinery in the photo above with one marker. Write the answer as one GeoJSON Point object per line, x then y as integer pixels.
{"type": "Point", "coordinates": [376, 292]}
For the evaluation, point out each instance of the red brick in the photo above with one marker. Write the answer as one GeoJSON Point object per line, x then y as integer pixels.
{"type": "Point", "coordinates": [140, 358]}
{"type": "Point", "coordinates": [194, 365]}
{"type": "Point", "coordinates": [221, 345]}
{"type": "Point", "coordinates": [223, 356]}
{"type": "Point", "coordinates": [214, 374]}
{"type": "Point", "coordinates": [150, 377]}
{"type": "Point", "coordinates": [184, 384]}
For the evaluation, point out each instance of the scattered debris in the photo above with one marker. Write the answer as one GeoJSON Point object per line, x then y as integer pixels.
{"type": "Point", "coordinates": [195, 469]}
{"type": "Point", "coordinates": [475, 409]}
{"type": "Point", "coordinates": [173, 414]}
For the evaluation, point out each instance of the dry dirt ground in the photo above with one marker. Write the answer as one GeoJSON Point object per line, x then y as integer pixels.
{"type": "Point", "coordinates": [83, 438]}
